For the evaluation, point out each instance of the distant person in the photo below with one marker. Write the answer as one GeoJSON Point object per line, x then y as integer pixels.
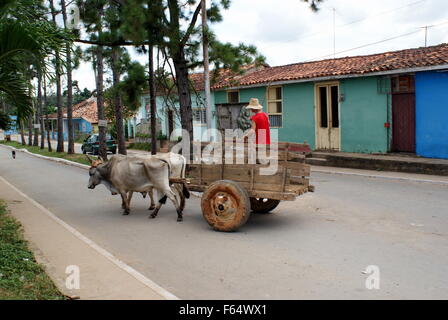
{"type": "Point", "coordinates": [260, 123]}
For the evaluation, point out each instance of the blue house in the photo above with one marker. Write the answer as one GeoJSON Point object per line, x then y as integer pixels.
{"type": "Point", "coordinates": [13, 126]}
{"type": "Point", "coordinates": [432, 113]}
{"type": "Point", "coordinates": [85, 119]}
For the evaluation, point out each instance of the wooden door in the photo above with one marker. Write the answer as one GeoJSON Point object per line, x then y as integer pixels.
{"type": "Point", "coordinates": [403, 122]}
{"type": "Point", "coordinates": [327, 117]}
{"type": "Point", "coordinates": [403, 113]}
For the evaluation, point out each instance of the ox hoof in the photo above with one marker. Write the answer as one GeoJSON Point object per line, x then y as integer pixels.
{"type": "Point", "coordinates": [151, 208]}
{"type": "Point", "coordinates": [153, 216]}
{"type": "Point", "coordinates": [179, 219]}
{"type": "Point", "coordinates": [125, 213]}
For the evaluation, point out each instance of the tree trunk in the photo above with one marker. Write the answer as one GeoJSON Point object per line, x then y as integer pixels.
{"type": "Point", "coordinates": [50, 149]}
{"type": "Point", "coordinates": [30, 130]}
{"type": "Point", "coordinates": [152, 99]}
{"type": "Point", "coordinates": [22, 134]}
{"type": "Point", "coordinates": [183, 87]}
{"type": "Point", "coordinates": [117, 100]}
{"type": "Point", "coordinates": [100, 103]}
{"type": "Point", "coordinates": [41, 111]}
{"type": "Point", "coordinates": [60, 146]}
{"type": "Point", "coordinates": [71, 139]}
{"type": "Point", "coordinates": [177, 53]}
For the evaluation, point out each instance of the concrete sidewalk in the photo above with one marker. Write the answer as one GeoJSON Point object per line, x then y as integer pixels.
{"type": "Point", "coordinates": [395, 162]}
{"type": "Point", "coordinates": [57, 245]}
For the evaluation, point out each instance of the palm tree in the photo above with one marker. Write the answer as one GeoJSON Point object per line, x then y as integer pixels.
{"type": "Point", "coordinates": [26, 39]}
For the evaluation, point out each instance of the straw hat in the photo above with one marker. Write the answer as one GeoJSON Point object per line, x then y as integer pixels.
{"type": "Point", "coordinates": [254, 104]}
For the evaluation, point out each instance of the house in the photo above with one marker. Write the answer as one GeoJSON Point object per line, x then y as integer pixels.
{"type": "Point", "coordinates": [167, 114]}
{"type": "Point", "coordinates": [387, 102]}
{"type": "Point", "coordinates": [13, 126]}
{"type": "Point", "coordinates": [85, 119]}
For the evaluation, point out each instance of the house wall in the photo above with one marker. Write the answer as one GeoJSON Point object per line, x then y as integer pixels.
{"type": "Point", "coordinates": [431, 114]}
{"type": "Point", "coordinates": [197, 100]}
{"type": "Point", "coordinates": [363, 114]}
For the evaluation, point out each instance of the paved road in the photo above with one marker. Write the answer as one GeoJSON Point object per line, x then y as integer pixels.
{"type": "Point", "coordinates": [315, 247]}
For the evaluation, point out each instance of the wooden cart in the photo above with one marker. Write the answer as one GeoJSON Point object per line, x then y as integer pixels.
{"type": "Point", "coordinates": [232, 191]}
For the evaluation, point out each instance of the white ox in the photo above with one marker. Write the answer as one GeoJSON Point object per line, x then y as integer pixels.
{"type": "Point", "coordinates": [127, 174]}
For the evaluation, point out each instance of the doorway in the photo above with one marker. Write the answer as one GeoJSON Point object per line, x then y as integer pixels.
{"type": "Point", "coordinates": [327, 116]}
{"type": "Point", "coordinates": [403, 113]}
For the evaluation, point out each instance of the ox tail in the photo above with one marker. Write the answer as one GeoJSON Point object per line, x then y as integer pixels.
{"type": "Point", "coordinates": [185, 190]}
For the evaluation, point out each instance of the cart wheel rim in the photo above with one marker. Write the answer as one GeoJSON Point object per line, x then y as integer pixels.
{"type": "Point", "coordinates": [224, 205]}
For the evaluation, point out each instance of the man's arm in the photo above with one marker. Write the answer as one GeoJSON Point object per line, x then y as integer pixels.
{"type": "Point", "coordinates": [251, 131]}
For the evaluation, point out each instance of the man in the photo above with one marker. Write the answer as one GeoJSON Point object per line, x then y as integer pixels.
{"type": "Point", "coordinates": [260, 123]}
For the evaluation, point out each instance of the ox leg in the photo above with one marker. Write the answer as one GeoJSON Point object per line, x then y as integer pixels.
{"type": "Point", "coordinates": [151, 196]}
{"type": "Point", "coordinates": [170, 194]}
{"type": "Point", "coordinates": [162, 200]}
{"type": "Point", "coordinates": [129, 197]}
{"type": "Point", "coordinates": [125, 203]}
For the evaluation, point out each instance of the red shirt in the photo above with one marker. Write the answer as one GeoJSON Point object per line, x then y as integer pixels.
{"type": "Point", "coordinates": [262, 131]}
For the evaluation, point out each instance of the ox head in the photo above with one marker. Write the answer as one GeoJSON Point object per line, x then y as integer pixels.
{"type": "Point", "coordinates": [94, 172]}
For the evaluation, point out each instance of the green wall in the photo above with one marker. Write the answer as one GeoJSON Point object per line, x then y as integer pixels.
{"type": "Point", "coordinates": [363, 114]}
{"type": "Point", "coordinates": [298, 114]}
{"type": "Point", "coordinates": [298, 110]}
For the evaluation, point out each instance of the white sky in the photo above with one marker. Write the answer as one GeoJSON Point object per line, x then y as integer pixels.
{"type": "Point", "coordinates": [287, 31]}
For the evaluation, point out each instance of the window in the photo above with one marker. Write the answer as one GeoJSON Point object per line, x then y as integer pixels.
{"type": "Point", "coordinates": [199, 115]}
{"type": "Point", "coordinates": [275, 106]}
{"type": "Point", "coordinates": [403, 84]}
{"type": "Point", "coordinates": [233, 96]}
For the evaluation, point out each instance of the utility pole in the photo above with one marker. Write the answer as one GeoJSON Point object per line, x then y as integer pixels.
{"type": "Point", "coordinates": [426, 34]}
{"type": "Point", "coordinates": [208, 110]}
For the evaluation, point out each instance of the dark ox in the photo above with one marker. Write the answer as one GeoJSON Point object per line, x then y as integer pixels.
{"type": "Point", "coordinates": [125, 174]}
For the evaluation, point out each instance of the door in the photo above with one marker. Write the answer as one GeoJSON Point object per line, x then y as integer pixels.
{"type": "Point", "coordinates": [327, 117]}
{"type": "Point", "coordinates": [403, 114]}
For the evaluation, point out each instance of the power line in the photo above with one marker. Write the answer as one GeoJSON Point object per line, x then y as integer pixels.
{"type": "Point", "coordinates": [344, 25]}
{"type": "Point", "coordinates": [365, 45]}
{"type": "Point", "coordinates": [377, 42]}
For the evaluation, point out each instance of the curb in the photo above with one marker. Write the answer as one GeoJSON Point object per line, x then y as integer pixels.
{"type": "Point", "coordinates": [379, 176]}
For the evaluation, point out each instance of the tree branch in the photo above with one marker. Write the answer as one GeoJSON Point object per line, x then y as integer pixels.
{"type": "Point", "coordinates": [116, 43]}
{"type": "Point", "coordinates": [192, 25]}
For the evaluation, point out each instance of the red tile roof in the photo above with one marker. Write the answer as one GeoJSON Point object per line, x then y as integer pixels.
{"type": "Point", "coordinates": [357, 65]}
{"type": "Point", "coordinates": [86, 109]}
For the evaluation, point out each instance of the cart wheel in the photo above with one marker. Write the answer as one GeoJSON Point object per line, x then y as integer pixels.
{"type": "Point", "coordinates": [225, 205]}
{"type": "Point", "coordinates": [263, 205]}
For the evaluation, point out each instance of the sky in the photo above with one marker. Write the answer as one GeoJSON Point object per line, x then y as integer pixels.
{"type": "Point", "coordinates": [287, 31]}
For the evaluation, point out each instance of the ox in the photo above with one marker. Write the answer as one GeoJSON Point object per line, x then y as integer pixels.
{"type": "Point", "coordinates": [124, 175]}
{"type": "Point", "coordinates": [177, 164]}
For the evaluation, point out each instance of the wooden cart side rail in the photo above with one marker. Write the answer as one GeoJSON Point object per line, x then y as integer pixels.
{"type": "Point", "coordinates": [289, 173]}
{"type": "Point", "coordinates": [284, 196]}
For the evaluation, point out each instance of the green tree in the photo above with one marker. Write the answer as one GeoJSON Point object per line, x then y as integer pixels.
{"type": "Point", "coordinates": [27, 39]}
{"type": "Point", "coordinates": [92, 14]}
